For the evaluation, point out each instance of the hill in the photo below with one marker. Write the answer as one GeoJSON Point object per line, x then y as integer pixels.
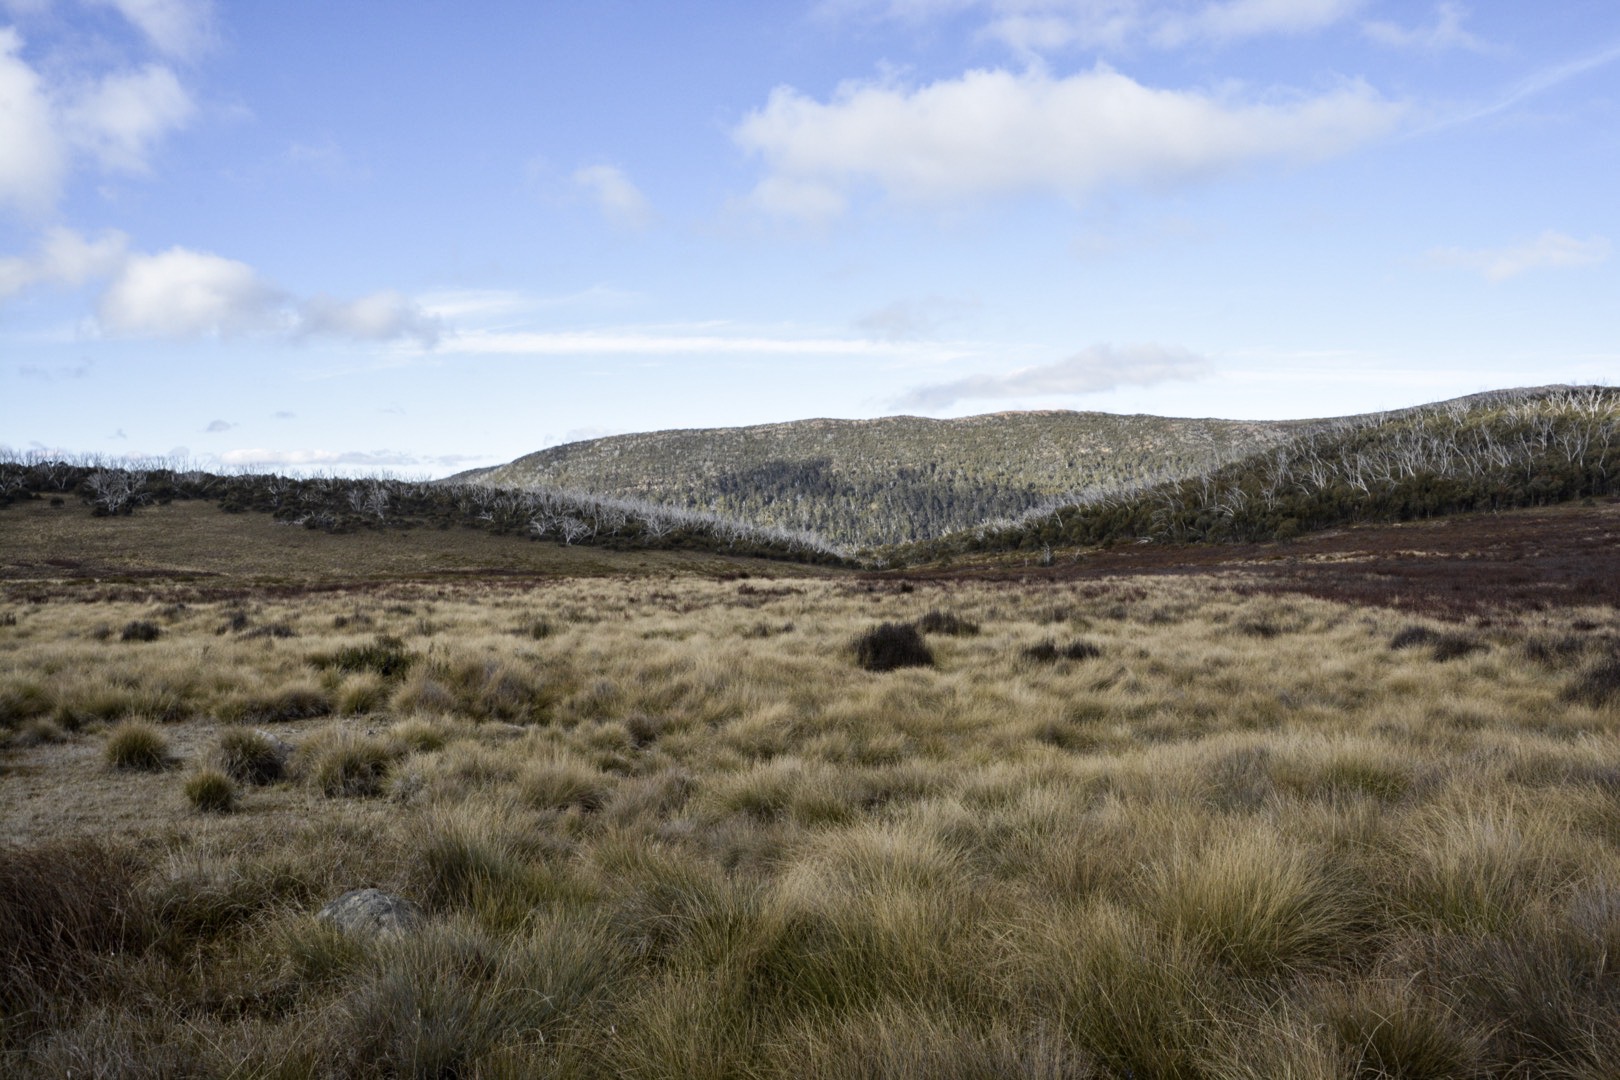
{"type": "Point", "coordinates": [1511, 448]}
{"type": "Point", "coordinates": [862, 483]}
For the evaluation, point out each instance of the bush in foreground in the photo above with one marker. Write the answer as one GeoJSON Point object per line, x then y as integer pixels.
{"type": "Point", "coordinates": [892, 645]}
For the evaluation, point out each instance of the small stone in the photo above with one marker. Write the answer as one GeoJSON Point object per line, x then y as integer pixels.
{"type": "Point", "coordinates": [371, 911]}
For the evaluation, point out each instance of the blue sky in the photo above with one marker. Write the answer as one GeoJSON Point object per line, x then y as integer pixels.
{"type": "Point", "coordinates": [424, 237]}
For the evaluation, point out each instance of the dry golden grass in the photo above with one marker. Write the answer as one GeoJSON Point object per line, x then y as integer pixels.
{"type": "Point", "coordinates": [1246, 838]}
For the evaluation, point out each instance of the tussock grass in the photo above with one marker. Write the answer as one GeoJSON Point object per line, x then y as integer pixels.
{"type": "Point", "coordinates": [137, 745]}
{"type": "Point", "coordinates": [211, 791]}
{"type": "Point", "coordinates": [250, 757]}
{"type": "Point", "coordinates": [340, 763]}
{"type": "Point", "coordinates": [1243, 838]}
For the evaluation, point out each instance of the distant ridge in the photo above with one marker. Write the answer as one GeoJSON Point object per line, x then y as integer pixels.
{"type": "Point", "coordinates": [896, 479]}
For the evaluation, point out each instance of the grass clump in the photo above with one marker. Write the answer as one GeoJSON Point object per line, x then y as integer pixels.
{"type": "Point", "coordinates": [892, 645]}
{"type": "Point", "coordinates": [1598, 685]}
{"type": "Point", "coordinates": [344, 765]}
{"type": "Point", "coordinates": [140, 630]}
{"type": "Point", "coordinates": [385, 656]}
{"type": "Point", "coordinates": [298, 702]}
{"type": "Point", "coordinates": [250, 757]}
{"type": "Point", "coordinates": [135, 744]}
{"type": "Point", "coordinates": [1049, 652]}
{"type": "Point", "coordinates": [63, 905]}
{"type": "Point", "coordinates": [211, 791]}
{"type": "Point", "coordinates": [947, 622]}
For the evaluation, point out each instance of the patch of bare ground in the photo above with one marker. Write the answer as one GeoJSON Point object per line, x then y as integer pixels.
{"type": "Point", "coordinates": [1454, 567]}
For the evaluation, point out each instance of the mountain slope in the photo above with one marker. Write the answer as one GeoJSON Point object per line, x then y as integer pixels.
{"type": "Point", "coordinates": [890, 480]}
{"type": "Point", "coordinates": [1493, 451]}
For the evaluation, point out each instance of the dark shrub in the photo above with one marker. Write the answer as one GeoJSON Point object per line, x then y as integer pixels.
{"type": "Point", "coordinates": [892, 645]}
{"type": "Point", "coordinates": [274, 630]}
{"type": "Point", "coordinates": [1554, 651]}
{"type": "Point", "coordinates": [946, 622]}
{"type": "Point", "coordinates": [1412, 637]}
{"type": "Point", "coordinates": [1598, 685]}
{"type": "Point", "coordinates": [140, 630]}
{"type": "Point", "coordinates": [1048, 652]}
{"type": "Point", "coordinates": [386, 657]}
{"type": "Point", "coordinates": [1453, 646]}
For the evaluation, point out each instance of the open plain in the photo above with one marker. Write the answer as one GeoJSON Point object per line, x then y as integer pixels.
{"type": "Point", "coordinates": [1124, 822]}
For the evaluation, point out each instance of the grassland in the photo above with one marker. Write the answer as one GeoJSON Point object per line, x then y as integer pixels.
{"type": "Point", "coordinates": [663, 824]}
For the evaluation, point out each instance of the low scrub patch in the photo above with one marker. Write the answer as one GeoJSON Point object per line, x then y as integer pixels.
{"type": "Point", "coordinates": [892, 645]}
{"type": "Point", "coordinates": [1598, 685]}
{"type": "Point", "coordinates": [386, 656]}
{"type": "Point", "coordinates": [947, 622]}
{"type": "Point", "coordinates": [298, 702]}
{"type": "Point", "coordinates": [140, 630]}
{"type": "Point", "coordinates": [1049, 652]}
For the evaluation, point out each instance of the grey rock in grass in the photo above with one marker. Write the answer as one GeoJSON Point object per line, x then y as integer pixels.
{"type": "Point", "coordinates": [371, 911]}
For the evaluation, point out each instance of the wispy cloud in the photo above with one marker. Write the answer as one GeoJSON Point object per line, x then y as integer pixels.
{"type": "Point", "coordinates": [994, 132]}
{"type": "Point", "coordinates": [633, 342]}
{"type": "Point", "coordinates": [216, 426]}
{"type": "Point", "coordinates": [620, 201]}
{"type": "Point", "coordinates": [1039, 26]}
{"type": "Point", "coordinates": [1446, 32]}
{"type": "Point", "coordinates": [1538, 83]}
{"type": "Point", "coordinates": [907, 320]}
{"type": "Point", "coordinates": [1095, 370]}
{"type": "Point", "coordinates": [1549, 250]}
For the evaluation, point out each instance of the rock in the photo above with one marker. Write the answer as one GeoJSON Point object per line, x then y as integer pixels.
{"type": "Point", "coordinates": [372, 911]}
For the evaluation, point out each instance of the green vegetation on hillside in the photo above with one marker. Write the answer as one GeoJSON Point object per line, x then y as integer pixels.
{"type": "Point", "coordinates": [1487, 452]}
{"type": "Point", "coordinates": [862, 483]}
{"type": "Point", "coordinates": [382, 504]}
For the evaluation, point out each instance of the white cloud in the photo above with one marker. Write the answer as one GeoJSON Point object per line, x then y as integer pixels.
{"type": "Point", "coordinates": [64, 257]}
{"type": "Point", "coordinates": [620, 201]}
{"type": "Point", "coordinates": [1039, 26]}
{"type": "Point", "coordinates": [994, 132]}
{"type": "Point", "coordinates": [175, 27]}
{"type": "Point", "coordinates": [181, 293]}
{"type": "Point", "coordinates": [116, 120]}
{"type": "Point", "coordinates": [1097, 369]}
{"type": "Point", "coordinates": [382, 316]}
{"type": "Point", "coordinates": [121, 117]}
{"type": "Point", "coordinates": [635, 342]}
{"type": "Point", "coordinates": [1549, 250]}
{"type": "Point", "coordinates": [34, 160]}
{"type": "Point", "coordinates": [216, 426]}
{"type": "Point", "coordinates": [1446, 33]}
